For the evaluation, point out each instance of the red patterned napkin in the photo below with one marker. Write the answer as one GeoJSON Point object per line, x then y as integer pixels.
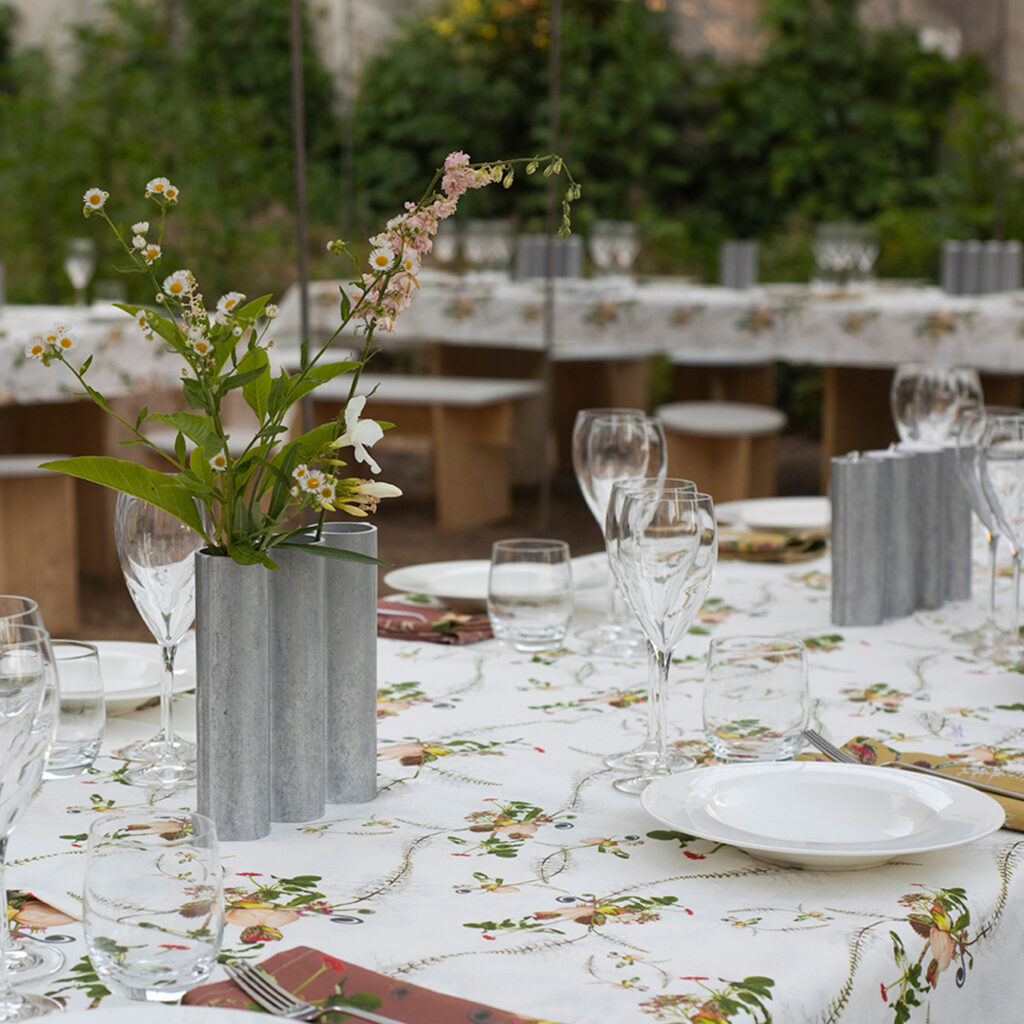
{"type": "Point", "coordinates": [404, 620]}
{"type": "Point", "coordinates": [321, 979]}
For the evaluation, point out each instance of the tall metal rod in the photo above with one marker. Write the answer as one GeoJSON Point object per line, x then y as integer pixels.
{"type": "Point", "coordinates": [547, 371]}
{"type": "Point", "coordinates": [301, 210]}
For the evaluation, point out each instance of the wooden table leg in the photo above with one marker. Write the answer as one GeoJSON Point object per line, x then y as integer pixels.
{"type": "Point", "coordinates": [855, 413]}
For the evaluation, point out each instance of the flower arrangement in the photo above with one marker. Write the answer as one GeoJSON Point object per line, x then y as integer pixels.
{"type": "Point", "coordinates": [246, 500]}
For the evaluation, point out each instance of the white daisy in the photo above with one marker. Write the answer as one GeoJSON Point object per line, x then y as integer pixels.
{"type": "Point", "coordinates": [171, 193]}
{"type": "Point", "coordinates": [178, 284]}
{"type": "Point", "coordinates": [140, 227]}
{"type": "Point", "coordinates": [156, 186]}
{"type": "Point", "coordinates": [381, 259]}
{"type": "Point", "coordinates": [138, 242]}
{"type": "Point", "coordinates": [95, 199]}
{"type": "Point", "coordinates": [36, 348]}
{"type": "Point", "coordinates": [271, 311]}
{"type": "Point", "coordinates": [219, 462]}
{"type": "Point", "coordinates": [229, 303]}
{"type": "Point", "coordinates": [151, 253]}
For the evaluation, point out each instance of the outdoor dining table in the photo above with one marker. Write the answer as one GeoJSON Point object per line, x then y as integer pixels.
{"type": "Point", "coordinates": [497, 862]}
{"type": "Point", "coordinates": [723, 342]}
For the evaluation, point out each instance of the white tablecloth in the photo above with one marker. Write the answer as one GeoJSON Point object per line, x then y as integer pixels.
{"type": "Point", "coordinates": [870, 325]}
{"type": "Point", "coordinates": [498, 863]}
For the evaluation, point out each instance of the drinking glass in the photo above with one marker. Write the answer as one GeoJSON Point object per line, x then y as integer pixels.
{"type": "Point", "coordinates": [487, 244]}
{"type": "Point", "coordinates": [610, 445]}
{"type": "Point", "coordinates": [27, 720]}
{"type": "Point", "coordinates": [156, 552]}
{"type": "Point", "coordinates": [79, 265]}
{"type": "Point", "coordinates": [756, 703]}
{"type": "Point", "coordinates": [844, 252]}
{"type": "Point", "coordinates": [446, 243]}
{"type": "Point", "coordinates": [1001, 455]}
{"type": "Point", "coordinates": [929, 399]}
{"type": "Point", "coordinates": [647, 750]}
{"type": "Point", "coordinates": [83, 710]}
{"type": "Point", "coordinates": [153, 904]}
{"type": "Point", "coordinates": [658, 539]}
{"type": "Point", "coordinates": [614, 245]}
{"type": "Point", "coordinates": [988, 636]}
{"type": "Point", "coordinates": [529, 593]}
{"type": "Point", "coordinates": [28, 960]}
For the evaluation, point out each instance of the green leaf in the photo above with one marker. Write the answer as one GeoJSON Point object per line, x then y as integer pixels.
{"type": "Point", "coordinates": [239, 380]}
{"type": "Point", "coordinates": [257, 391]}
{"type": "Point", "coordinates": [150, 485]}
{"type": "Point", "coordinates": [338, 554]}
{"type": "Point", "coordinates": [314, 377]}
{"type": "Point", "coordinates": [195, 427]}
{"type": "Point", "coordinates": [196, 395]}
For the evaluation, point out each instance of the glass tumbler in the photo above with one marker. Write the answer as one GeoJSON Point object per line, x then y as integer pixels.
{"type": "Point", "coordinates": [83, 711]}
{"type": "Point", "coordinates": [529, 593]}
{"type": "Point", "coordinates": [756, 703]}
{"type": "Point", "coordinates": [153, 905]}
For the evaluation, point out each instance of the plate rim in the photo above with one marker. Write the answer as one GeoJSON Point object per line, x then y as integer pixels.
{"type": "Point", "coordinates": [831, 851]}
{"type": "Point", "coordinates": [184, 678]}
{"type": "Point", "coordinates": [735, 512]}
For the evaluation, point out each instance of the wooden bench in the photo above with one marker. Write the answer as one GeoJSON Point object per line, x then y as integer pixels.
{"type": "Point", "coordinates": [727, 448]}
{"type": "Point", "coordinates": [470, 421]}
{"type": "Point", "coordinates": [38, 540]}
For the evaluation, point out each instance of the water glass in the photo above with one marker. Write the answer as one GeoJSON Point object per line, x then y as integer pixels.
{"type": "Point", "coordinates": [756, 703]}
{"type": "Point", "coordinates": [529, 593]}
{"type": "Point", "coordinates": [83, 710]}
{"type": "Point", "coordinates": [153, 905]}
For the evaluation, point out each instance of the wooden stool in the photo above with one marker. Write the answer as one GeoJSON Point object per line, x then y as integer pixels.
{"type": "Point", "coordinates": [727, 448]}
{"type": "Point", "coordinates": [38, 540]}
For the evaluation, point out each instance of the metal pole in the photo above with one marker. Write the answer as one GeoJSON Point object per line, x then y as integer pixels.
{"type": "Point", "coordinates": [301, 211]}
{"type": "Point", "coordinates": [554, 182]}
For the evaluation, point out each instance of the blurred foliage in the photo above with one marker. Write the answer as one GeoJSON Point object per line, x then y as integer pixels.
{"type": "Point", "coordinates": [832, 121]}
{"type": "Point", "coordinates": [196, 90]}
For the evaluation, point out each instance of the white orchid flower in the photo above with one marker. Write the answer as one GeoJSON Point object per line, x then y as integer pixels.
{"type": "Point", "coordinates": [360, 434]}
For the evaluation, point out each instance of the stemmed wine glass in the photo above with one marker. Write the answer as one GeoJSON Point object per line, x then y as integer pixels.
{"type": "Point", "coordinates": [156, 552]}
{"type": "Point", "coordinates": [928, 400]}
{"type": "Point", "coordinates": [1002, 478]}
{"type": "Point", "coordinates": [29, 961]}
{"type": "Point", "coordinates": [647, 750]}
{"type": "Point", "coordinates": [666, 546]}
{"type": "Point", "coordinates": [27, 725]}
{"type": "Point", "coordinates": [79, 265]}
{"type": "Point", "coordinates": [986, 637]}
{"type": "Point", "coordinates": [610, 445]}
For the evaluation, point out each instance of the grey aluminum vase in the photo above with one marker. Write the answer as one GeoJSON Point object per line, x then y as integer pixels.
{"type": "Point", "coordinates": [233, 691]}
{"type": "Point", "coordinates": [350, 628]}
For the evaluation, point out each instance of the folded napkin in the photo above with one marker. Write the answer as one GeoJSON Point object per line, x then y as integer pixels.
{"type": "Point", "coordinates": [754, 546]}
{"type": "Point", "coordinates": [399, 619]}
{"type": "Point", "coordinates": [327, 981]}
{"type": "Point", "coordinates": [956, 766]}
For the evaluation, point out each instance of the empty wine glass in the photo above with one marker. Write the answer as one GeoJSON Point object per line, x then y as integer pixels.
{"type": "Point", "coordinates": [27, 723]}
{"type": "Point", "coordinates": [28, 960]}
{"type": "Point", "coordinates": [646, 751]}
{"type": "Point", "coordinates": [614, 245]}
{"type": "Point", "coordinates": [610, 445]}
{"type": "Point", "coordinates": [986, 637]}
{"type": "Point", "coordinates": [79, 265]}
{"type": "Point", "coordinates": [928, 400]}
{"type": "Point", "coordinates": [1002, 478]}
{"type": "Point", "coordinates": [156, 552]}
{"type": "Point", "coordinates": [665, 548]}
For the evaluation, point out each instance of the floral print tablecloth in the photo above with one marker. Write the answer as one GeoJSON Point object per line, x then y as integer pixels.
{"type": "Point", "coordinates": [498, 863]}
{"type": "Point", "coordinates": [124, 361]}
{"type": "Point", "coordinates": [870, 325]}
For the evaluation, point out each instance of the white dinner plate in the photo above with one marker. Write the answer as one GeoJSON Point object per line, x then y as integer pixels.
{"type": "Point", "coordinates": [826, 816]}
{"type": "Point", "coordinates": [776, 514]}
{"type": "Point", "coordinates": [131, 671]}
{"type": "Point", "coordinates": [465, 582]}
{"type": "Point", "coordinates": [138, 1013]}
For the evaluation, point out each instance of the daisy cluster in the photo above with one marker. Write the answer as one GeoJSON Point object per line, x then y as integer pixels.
{"type": "Point", "coordinates": [55, 341]}
{"type": "Point", "coordinates": [397, 251]}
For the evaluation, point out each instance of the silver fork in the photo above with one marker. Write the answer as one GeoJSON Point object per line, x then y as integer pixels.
{"type": "Point", "coordinates": [271, 996]}
{"type": "Point", "coordinates": [833, 753]}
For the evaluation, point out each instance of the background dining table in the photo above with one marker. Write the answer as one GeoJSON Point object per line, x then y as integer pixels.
{"type": "Point", "coordinates": [497, 862]}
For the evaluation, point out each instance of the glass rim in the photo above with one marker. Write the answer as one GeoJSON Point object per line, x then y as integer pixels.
{"type": "Point", "coordinates": [530, 544]}
{"type": "Point", "coordinates": [88, 650]}
{"type": "Point", "coordinates": [743, 642]}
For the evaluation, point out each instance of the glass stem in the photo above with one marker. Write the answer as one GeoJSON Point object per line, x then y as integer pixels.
{"type": "Point", "coordinates": [10, 1001]}
{"type": "Point", "coordinates": [659, 692]}
{"type": "Point", "coordinates": [651, 739]}
{"type": "Point", "coordinates": [993, 549]}
{"type": "Point", "coordinates": [167, 701]}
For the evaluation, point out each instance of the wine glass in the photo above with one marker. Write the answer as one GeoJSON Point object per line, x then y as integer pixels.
{"type": "Point", "coordinates": [666, 546]}
{"type": "Point", "coordinates": [1001, 453]}
{"type": "Point", "coordinates": [156, 552]}
{"type": "Point", "coordinates": [647, 750]}
{"type": "Point", "coordinates": [79, 265]}
{"type": "Point", "coordinates": [28, 960]}
{"type": "Point", "coordinates": [610, 445]}
{"type": "Point", "coordinates": [986, 637]}
{"type": "Point", "coordinates": [613, 246]}
{"type": "Point", "coordinates": [27, 724]}
{"type": "Point", "coordinates": [928, 400]}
